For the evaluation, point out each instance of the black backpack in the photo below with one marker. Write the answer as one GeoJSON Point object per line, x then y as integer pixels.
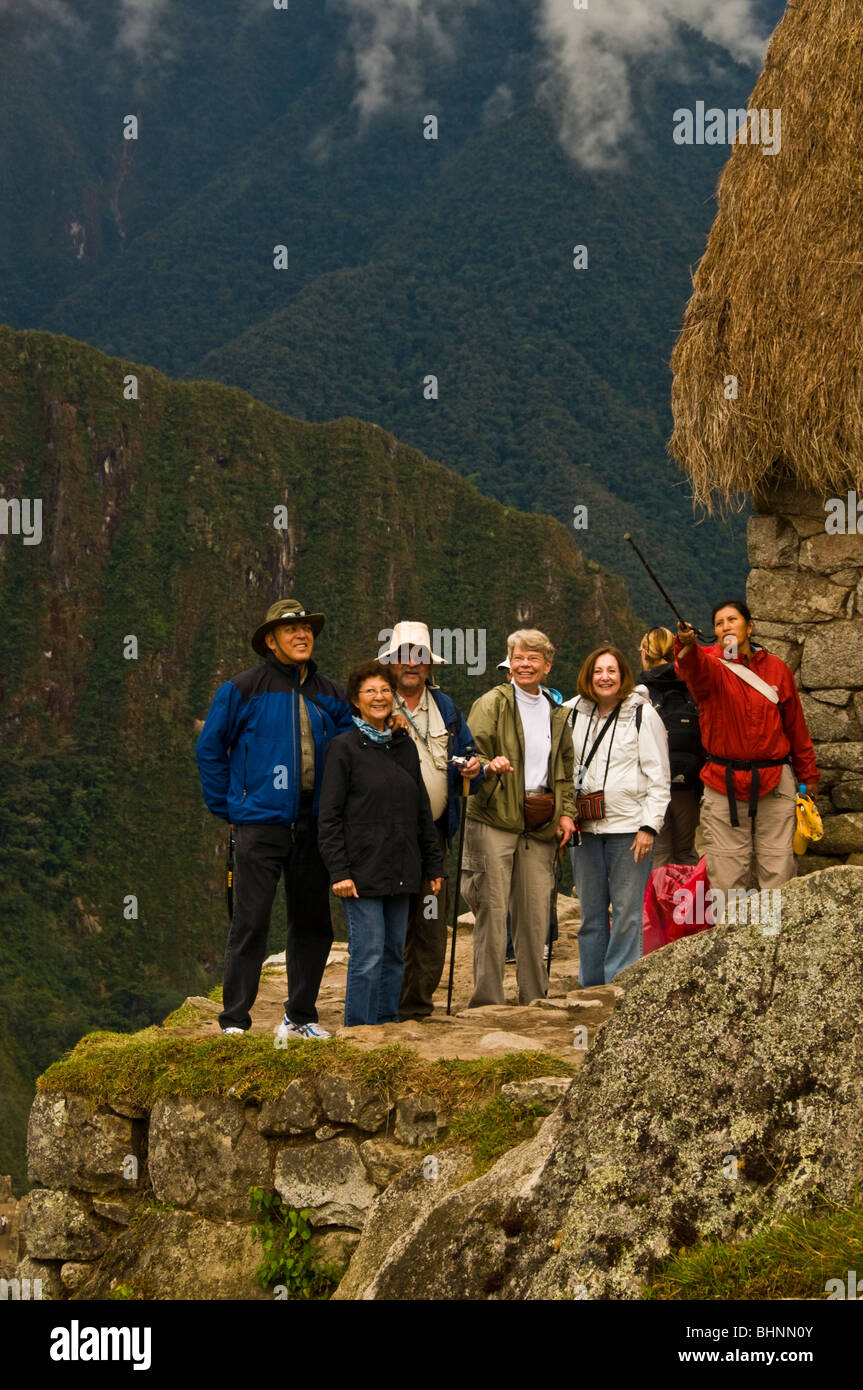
{"type": "Point", "coordinates": [679, 713]}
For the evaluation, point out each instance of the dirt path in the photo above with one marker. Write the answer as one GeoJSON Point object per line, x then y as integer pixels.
{"type": "Point", "coordinates": [546, 1025]}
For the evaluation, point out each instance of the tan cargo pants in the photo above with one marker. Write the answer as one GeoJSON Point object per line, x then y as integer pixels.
{"type": "Point", "coordinates": [731, 850]}
{"type": "Point", "coordinates": [504, 871]}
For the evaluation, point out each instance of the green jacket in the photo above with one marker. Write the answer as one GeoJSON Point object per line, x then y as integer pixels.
{"type": "Point", "coordinates": [496, 727]}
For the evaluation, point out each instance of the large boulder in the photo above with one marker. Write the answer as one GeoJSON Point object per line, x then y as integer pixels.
{"type": "Point", "coordinates": [826, 723]}
{"type": "Point", "coordinates": [833, 655]}
{"type": "Point", "coordinates": [71, 1143]}
{"type": "Point", "coordinates": [348, 1102]}
{"type": "Point", "coordinates": [177, 1255]}
{"type": "Point", "coordinates": [842, 834]}
{"type": "Point", "coordinates": [848, 795]}
{"type": "Point", "coordinates": [329, 1178]}
{"type": "Point", "coordinates": [36, 1281]}
{"type": "Point", "coordinates": [793, 597]}
{"type": "Point", "coordinates": [405, 1204]}
{"type": "Point", "coordinates": [726, 1089]}
{"type": "Point", "coordinates": [57, 1225]}
{"type": "Point", "coordinates": [205, 1154]}
{"type": "Point", "coordinates": [294, 1111]}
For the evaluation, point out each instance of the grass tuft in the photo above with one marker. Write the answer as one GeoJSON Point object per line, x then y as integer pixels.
{"type": "Point", "coordinates": [792, 1259]}
{"type": "Point", "coordinates": [140, 1068]}
{"type": "Point", "coordinates": [490, 1130]}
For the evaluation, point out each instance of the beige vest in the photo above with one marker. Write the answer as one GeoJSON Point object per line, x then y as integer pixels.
{"type": "Point", "coordinates": [432, 748]}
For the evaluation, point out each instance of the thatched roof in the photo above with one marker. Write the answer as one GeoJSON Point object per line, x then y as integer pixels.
{"type": "Point", "coordinates": [778, 296]}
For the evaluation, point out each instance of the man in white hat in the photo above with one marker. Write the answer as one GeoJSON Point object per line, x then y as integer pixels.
{"type": "Point", "coordinates": [439, 731]}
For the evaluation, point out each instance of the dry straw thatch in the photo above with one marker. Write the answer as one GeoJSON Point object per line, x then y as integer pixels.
{"type": "Point", "coordinates": [778, 296]}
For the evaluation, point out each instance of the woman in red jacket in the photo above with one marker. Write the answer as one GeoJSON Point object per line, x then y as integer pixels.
{"type": "Point", "coordinates": [756, 743]}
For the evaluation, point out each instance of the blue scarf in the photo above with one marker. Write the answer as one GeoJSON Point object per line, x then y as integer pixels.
{"type": "Point", "coordinates": [376, 735]}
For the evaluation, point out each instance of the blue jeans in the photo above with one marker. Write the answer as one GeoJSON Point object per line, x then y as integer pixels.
{"type": "Point", "coordinates": [376, 939]}
{"type": "Point", "coordinates": [605, 873]}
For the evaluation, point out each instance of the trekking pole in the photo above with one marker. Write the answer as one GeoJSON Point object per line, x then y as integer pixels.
{"type": "Point", "coordinates": [229, 875]}
{"type": "Point", "coordinates": [675, 610]}
{"type": "Point", "coordinates": [465, 788]}
{"type": "Point", "coordinates": [553, 923]}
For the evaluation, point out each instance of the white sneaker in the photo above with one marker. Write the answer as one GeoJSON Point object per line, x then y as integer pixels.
{"type": "Point", "coordinates": [286, 1029]}
{"type": "Point", "coordinates": [233, 1030]}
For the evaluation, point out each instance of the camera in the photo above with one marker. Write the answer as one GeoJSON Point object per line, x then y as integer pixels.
{"type": "Point", "coordinates": [461, 762]}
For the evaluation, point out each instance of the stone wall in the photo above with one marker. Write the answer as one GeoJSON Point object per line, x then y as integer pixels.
{"type": "Point", "coordinates": [158, 1201]}
{"type": "Point", "coordinates": [805, 590]}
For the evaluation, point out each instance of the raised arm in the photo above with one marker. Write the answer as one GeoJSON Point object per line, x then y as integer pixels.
{"type": "Point", "coordinates": [693, 665]}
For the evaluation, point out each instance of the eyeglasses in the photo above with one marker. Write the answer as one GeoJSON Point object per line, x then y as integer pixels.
{"type": "Point", "coordinates": [369, 694]}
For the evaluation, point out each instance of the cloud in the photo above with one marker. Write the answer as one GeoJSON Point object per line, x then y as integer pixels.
{"type": "Point", "coordinates": [393, 42]}
{"type": "Point", "coordinates": [56, 10]}
{"type": "Point", "coordinates": [140, 30]}
{"type": "Point", "coordinates": [498, 107]}
{"type": "Point", "coordinates": [588, 57]}
{"type": "Point", "coordinates": [54, 13]}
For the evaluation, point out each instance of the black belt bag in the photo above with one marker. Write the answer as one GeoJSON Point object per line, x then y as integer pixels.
{"type": "Point", "coordinates": [752, 765]}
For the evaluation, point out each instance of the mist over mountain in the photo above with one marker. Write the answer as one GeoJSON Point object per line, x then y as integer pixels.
{"type": "Point", "coordinates": [407, 257]}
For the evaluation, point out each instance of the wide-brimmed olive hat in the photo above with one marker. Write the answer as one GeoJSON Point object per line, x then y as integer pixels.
{"type": "Point", "coordinates": [287, 610]}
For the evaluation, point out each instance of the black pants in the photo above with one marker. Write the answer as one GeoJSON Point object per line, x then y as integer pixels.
{"type": "Point", "coordinates": [425, 948]}
{"type": "Point", "coordinates": [262, 853]}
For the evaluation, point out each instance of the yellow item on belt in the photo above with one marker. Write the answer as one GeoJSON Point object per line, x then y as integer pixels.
{"type": "Point", "coordinates": [809, 825]}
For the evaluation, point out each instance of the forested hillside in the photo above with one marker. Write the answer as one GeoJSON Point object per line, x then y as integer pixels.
{"type": "Point", "coordinates": [158, 525]}
{"type": "Point", "coordinates": [407, 257]}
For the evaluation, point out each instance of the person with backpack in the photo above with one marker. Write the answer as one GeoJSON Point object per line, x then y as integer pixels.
{"type": "Point", "coordinates": [622, 789]}
{"type": "Point", "coordinates": [675, 843]}
{"type": "Point", "coordinates": [756, 743]}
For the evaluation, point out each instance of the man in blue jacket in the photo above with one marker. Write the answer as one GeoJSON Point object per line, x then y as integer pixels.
{"type": "Point", "coordinates": [439, 732]}
{"type": "Point", "coordinates": [261, 759]}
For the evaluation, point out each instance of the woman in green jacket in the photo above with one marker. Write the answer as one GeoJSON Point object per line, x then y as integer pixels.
{"type": "Point", "coordinates": [515, 822]}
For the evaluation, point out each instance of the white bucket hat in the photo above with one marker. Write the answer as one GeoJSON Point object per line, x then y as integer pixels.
{"type": "Point", "coordinates": [411, 637]}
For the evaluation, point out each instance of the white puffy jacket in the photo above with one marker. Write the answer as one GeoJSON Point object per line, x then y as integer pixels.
{"type": "Point", "coordinates": [638, 786]}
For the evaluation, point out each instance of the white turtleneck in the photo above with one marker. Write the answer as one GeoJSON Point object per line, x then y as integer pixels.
{"type": "Point", "coordinates": [535, 713]}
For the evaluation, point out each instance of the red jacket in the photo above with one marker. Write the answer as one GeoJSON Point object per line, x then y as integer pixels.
{"type": "Point", "coordinates": [738, 722]}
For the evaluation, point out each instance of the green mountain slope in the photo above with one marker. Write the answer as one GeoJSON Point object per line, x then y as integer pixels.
{"type": "Point", "coordinates": [158, 525]}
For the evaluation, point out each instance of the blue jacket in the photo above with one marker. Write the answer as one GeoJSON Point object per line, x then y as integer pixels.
{"type": "Point", "coordinates": [463, 746]}
{"type": "Point", "coordinates": [249, 748]}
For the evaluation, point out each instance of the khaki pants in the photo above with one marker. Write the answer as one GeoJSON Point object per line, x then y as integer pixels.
{"type": "Point", "coordinates": [504, 871]}
{"type": "Point", "coordinates": [730, 850]}
{"type": "Point", "coordinates": [675, 843]}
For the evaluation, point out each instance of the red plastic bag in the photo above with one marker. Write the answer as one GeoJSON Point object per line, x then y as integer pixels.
{"type": "Point", "coordinates": [675, 904]}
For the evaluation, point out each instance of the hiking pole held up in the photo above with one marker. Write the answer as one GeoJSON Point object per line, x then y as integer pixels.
{"type": "Point", "coordinates": [465, 788]}
{"type": "Point", "coordinates": [675, 610]}
{"type": "Point", "coordinates": [229, 875]}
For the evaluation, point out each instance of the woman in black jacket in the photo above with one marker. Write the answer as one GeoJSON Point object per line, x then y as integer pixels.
{"type": "Point", "coordinates": [675, 843]}
{"type": "Point", "coordinates": [378, 841]}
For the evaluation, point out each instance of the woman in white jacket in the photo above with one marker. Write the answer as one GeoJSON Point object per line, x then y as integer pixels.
{"type": "Point", "coordinates": [623, 787]}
